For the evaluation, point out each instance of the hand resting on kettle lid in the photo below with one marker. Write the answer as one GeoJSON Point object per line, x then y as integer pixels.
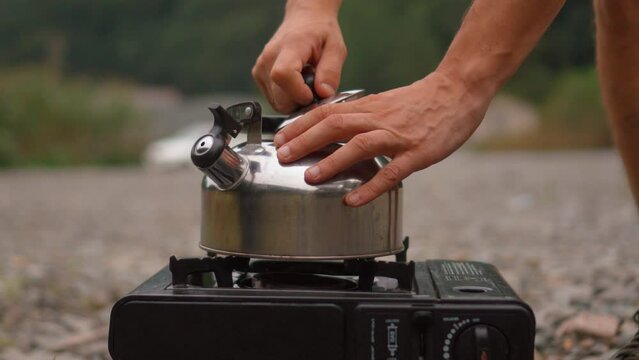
{"type": "Point", "coordinates": [416, 125]}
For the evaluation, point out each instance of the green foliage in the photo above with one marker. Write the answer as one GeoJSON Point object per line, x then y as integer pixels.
{"type": "Point", "coordinates": [211, 45]}
{"type": "Point", "coordinates": [44, 121]}
{"type": "Point", "coordinates": [568, 43]}
{"type": "Point", "coordinates": [395, 43]}
{"type": "Point", "coordinates": [196, 45]}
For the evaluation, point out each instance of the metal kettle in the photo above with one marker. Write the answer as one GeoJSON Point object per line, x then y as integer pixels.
{"type": "Point", "coordinates": [254, 206]}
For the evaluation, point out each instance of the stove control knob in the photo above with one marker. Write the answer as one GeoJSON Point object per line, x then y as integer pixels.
{"type": "Point", "coordinates": [481, 342]}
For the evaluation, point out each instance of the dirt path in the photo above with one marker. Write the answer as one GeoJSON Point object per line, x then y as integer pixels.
{"type": "Point", "coordinates": [560, 226]}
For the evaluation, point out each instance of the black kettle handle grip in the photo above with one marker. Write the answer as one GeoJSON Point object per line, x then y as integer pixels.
{"type": "Point", "coordinates": [308, 73]}
{"type": "Point", "coordinates": [224, 122]}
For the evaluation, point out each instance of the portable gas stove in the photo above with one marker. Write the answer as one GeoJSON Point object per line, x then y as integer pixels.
{"type": "Point", "coordinates": [299, 279]}
{"type": "Point", "coordinates": [240, 308]}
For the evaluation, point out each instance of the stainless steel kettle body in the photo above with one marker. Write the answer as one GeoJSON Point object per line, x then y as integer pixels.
{"type": "Point", "coordinates": [254, 206]}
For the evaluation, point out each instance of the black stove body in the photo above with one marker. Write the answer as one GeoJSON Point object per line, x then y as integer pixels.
{"type": "Point", "coordinates": [236, 308]}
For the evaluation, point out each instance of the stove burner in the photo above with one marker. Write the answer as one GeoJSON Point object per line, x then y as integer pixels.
{"type": "Point", "coordinates": [191, 271]}
{"type": "Point", "coordinates": [296, 281]}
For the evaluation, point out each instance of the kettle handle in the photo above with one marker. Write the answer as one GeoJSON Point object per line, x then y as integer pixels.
{"type": "Point", "coordinates": [249, 115]}
{"type": "Point", "coordinates": [224, 122]}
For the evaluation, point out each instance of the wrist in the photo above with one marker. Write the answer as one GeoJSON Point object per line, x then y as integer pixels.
{"type": "Point", "coordinates": [315, 8]}
{"type": "Point", "coordinates": [453, 88]}
{"type": "Point", "coordinates": [493, 41]}
{"type": "Point", "coordinates": [479, 79]}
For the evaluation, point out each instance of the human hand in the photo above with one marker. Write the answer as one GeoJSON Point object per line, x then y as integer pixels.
{"type": "Point", "coordinates": [416, 125]}
{"type": "Point", "coordinates": [306, 36]}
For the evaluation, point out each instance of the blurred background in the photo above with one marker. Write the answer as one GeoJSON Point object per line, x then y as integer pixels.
{"type": "Point", "coordinates": [100, 102]}
{"type": "Point", "coordinates": [128, 73]}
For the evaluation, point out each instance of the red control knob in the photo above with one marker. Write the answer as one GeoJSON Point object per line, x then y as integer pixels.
{"type": "Point", "coordinates": [481, 342]}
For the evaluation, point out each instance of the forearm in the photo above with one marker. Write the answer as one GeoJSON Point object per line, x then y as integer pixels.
{"type": "Point", "coordinates": [316, 7]}
{"type": "Point", "coordinates": [617, 60]}
{"type": "Point", "coordinates": [494, 39]}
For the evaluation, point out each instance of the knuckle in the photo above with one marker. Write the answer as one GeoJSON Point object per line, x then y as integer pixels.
{"type": "Point", "coordinates": [278, 73]}
{"type": "Point", "coordinates": [268, 51]}
{"type": "Point", "coordinates": [255, 72]}
{"type": "Point", "coordinates": [302, 142]}
{"type": "Point", "coordinates": [391, 173]}
{"type": "Point", "coordinates": [372, 98]}
{"type": "Point", "coordinates": [276, 105]}
{"type": "Point", "coordinates": [338, 49]}
{"type": "Point", "coordinates": [336, 122]}
{"type": "Point", "coordinates": [259, 61]}
{"type": "Point", "coordinates": [370, 190]}
{"type": "Point", "coordinates": [328, 165]}
{"type": "Point", "coordinates": [280, 104]}
{"type": "Point", "coordinates": [295, 128]}
{"type": "Point", "coordinates": [326, 110]}
{"type": "Point", "coordinates": [363, 143]}
{"type": "Point", "coordinates": [342, 50]}
{"type": "Point", "coordinates": [331, 73]}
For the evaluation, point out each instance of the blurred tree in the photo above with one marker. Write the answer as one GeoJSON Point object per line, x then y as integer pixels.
{"type": "Point", "coordinates": [568, 43]}
{"type": "Point", "coordinates": [206, 45]}
{"type": "Point", "coordinates": [212, 45]}
{"type": "Point", "coordinates": [395, 43]}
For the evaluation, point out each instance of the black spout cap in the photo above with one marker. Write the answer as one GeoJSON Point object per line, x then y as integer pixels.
{"type": "Point", "coordinates": [207, 149]}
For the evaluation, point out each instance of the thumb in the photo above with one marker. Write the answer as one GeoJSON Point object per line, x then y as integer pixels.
{"type": "Point", "coordinates": [329, 69]}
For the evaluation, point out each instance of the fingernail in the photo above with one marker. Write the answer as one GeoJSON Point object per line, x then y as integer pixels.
{"type": "Point", "coordinates": [329, 89]}
{"type": "Point", "coordinates": [313, 172]}
{"type": "Point", "coordinates": [279, 139]}
{"type": "Point", "coordinates": [353, 199]}
{"type": "Point", "coordinates": [284, 152]}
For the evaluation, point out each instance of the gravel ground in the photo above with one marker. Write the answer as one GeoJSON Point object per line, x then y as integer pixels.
{"type": "Point", "coordinates": [561, 227]}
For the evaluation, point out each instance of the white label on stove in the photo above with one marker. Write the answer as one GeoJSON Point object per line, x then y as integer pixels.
{"type": "Point", "coordinates": [392, 332]}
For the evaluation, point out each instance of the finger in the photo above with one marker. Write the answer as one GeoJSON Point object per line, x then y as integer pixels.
{"type": "Point", "coordinates": [281, 101]}
{"type": "Point", "coordinates": [258, 71]}
{"type": "Point", "coordinates": [287, 74]}
{"type": "Point", "coordinates": [258, 80]}
{"type": "Point", "coordinates": [334, 128]}
{"type": "Point", "coordinates": [385, 179]}
{"type": "Point", "coordinates": [310, 119]}
{"type": "Point", "coordinates": [262, 69]}
{"type": "Point", "coordinates": [329, 69]}
{"type": "Point", "coordinates": [360, 147]}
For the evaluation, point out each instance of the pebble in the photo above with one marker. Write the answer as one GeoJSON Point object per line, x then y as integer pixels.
{"type": "Point", "coordinates": [627, 331]}
{"type": "Point", "coordinates": [566, 242]}
{"type": "Point", "coordinates": [603, 326]}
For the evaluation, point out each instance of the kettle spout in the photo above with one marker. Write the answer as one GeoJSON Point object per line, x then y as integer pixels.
{"type": "Point", "coordinates": [226, 168]}
{"type": "Point", "coordinates": [212, 155]}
